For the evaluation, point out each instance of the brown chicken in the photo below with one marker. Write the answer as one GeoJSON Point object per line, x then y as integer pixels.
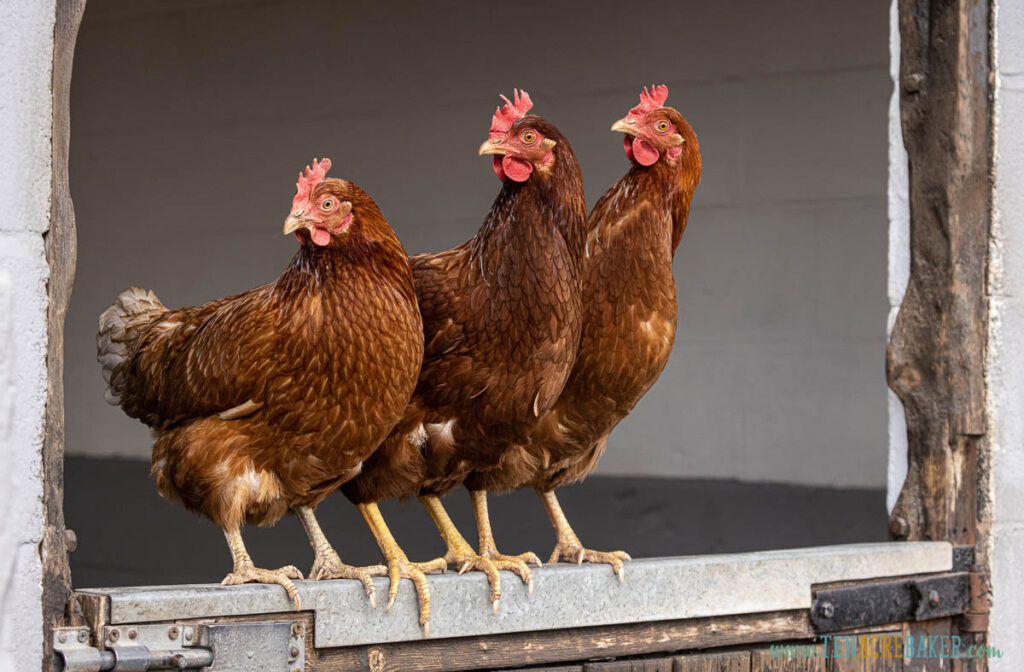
{"type": "Point", "coordinates": [629, 316]}
{"type": "Point", "coordinates": [266, 402]}
{"type": "Point", "coordinates": [501, 317]}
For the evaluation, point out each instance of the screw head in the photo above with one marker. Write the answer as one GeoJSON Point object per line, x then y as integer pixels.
{"type": "Point", "coordinates": [933, 598]}
{"type": "Point", "coordinates": [172, 632]}
{"type": "Point", "coordinates": [82, 635]}
{"type": "Point", "coordinates": [293, 652]}
{"type": "Point", "coordinates": [133, 633]}
{"type": "Point", "coordinates": [826, 610]}
{"type": "Point", "coordinates": [114, 635]}
{"type": "Point", "coordinates": [297, 628]}
{"type": "Point", "coordinates": [178, 661]}
{"type": "Point", "coordinates": [899, 528]}
{"type": "Point", "coordinates": [62, 637]}
{"type": "Point", "coordinates": [188, 634]}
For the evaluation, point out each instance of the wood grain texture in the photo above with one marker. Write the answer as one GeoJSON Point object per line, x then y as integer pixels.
{"type": "Point", "coordinates": [762, 660]}
{"type": "Point", "coordinates": [557, 646]}
{"type": "Point", "coordinates": [659, 664]}
{"type": "Point", "coordinates": [61, 247]}
{"type": "Point", "coordinates": [935, 362]}
{"type": "Point", "coordinates": [729, 661]}
{"type": "Point", "coordinates": [872, 652]}
{"type": "Point", "coordinates": [916, 663]}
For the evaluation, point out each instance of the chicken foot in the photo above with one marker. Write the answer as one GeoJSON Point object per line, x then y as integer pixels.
{"type": "Point", "coordinates": [246, 572]}
{"type": "Point", "coordinates": [568, 546]}
{"type": "Point", "coordinates": [399, 566]}
{"type": "Point", "coordinates": [460, 553]}
{"type": "Point", "coordinates": [328, 565]}
{"type": "Point", "coordinates": [518, 564]}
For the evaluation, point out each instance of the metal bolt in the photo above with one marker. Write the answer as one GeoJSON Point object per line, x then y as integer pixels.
{"type": "Point", "coordinates": [293, 652]}
{"type": "Point", "coordinates": [188, 634]}
{"type": "Point", "coordinates": [72, 540]}
{"type": "Point", "coordinates": [83, 635]}
{"type": "Point", "coordinates": [933, 598]}
{"type": "Point", "coordinates": [114, 635]}
{"type": "Point", "coordinates": [133, 633]}
{"type": "Point", "coordinates": [296, 628]}
{"type": "Point", "coordinates": [899, 528]}
{"type": "Point", "coordinates": [172, 632]}
{"type": "Point", "coordinates": [178, 661]}
{"type": "Point", "coordinates": [62, 637]}
{"type": "Point", "coordinates": [826, 609]}
{"type": "Point", "coordinates": [913, 83]}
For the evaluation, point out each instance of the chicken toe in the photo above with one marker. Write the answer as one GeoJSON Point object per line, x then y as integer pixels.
{"type": "Point", "coordinates": [328, 565]}
{"type": "Point", "coordinates": [568, 546]}
{"type": "Point", "coordinates": [246, 572]}
{"type": "Point", "coordinates": [460, 554]}
{"type": "Point", "coordinates": [398, 565]}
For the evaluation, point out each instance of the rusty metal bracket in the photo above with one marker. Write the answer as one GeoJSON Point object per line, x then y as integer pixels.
{"type": "Point", "coordinates": [976, 618]}
{"type": "Point", "coordinates": [891, 602]}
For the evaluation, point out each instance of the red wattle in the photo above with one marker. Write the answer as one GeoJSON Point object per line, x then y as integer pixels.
{"type": "Point", "coordinates": [516, 169]}
{"type": "Point", "coordinates": [673, 152]}
{"type": "Point", "coordinates": [646, 155]}
{"type": "Point", "coordinates": [627, 144]}
{"type": "Point", "coordinates": [320, 236]}
{"type": "Point", "coordinates": [498, 170]}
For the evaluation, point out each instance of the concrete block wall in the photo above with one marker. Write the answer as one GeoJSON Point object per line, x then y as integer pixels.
{"type": "Point", "coordinates": [26, 55]}
{"type": "Point", "coordinates": [189, 121]}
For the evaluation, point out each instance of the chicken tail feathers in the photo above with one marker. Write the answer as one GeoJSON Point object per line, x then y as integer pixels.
{"type": "Point", "coordinates": [120, 327]}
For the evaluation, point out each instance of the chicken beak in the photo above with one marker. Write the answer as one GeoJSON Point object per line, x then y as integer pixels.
{"type": "Point", "coordinates": [624, 126]}
{"type": "Point", "coordinates": [675, 140]}
{"type": "Point", "coordinates": [294, 222]}
{"type": "Point", "coordinates": [492, 147]}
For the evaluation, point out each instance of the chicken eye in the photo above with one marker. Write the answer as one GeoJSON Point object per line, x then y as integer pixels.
{"type": "Point", "coordinates": [529, 137]}
{"type": "Point", "coordinates": [328, 204]}
{"type": "Point", "coordinates": [662, 126]}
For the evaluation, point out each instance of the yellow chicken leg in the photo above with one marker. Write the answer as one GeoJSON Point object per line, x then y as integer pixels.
{"type": "Point", "coordinates": [399, 566]}
{"type": "Point", "coordinates": [460, 553]}
{"type": "Point", "coordinates": [245, 572]}
{"type": "Point", "coordinates": [568, 546]}
{"type": "Point", "coordinates": [518, 564]}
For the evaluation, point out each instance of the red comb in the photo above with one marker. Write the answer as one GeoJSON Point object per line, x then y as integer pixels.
{"type": "Point", "coordinates": [308, 182]}
{"type": "Point", "coordinates": [649, 101]}
{"type": "Point", "coordinates": [505, 116]}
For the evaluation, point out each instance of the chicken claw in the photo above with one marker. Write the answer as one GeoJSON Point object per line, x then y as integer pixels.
{"type": "Point", "coordinates": [399, 566]}
{"type": "Point", "coordinates": [571, 550]}
{"type": "Point", "coordinates": [517, 564]}
{"type": "Point", "coordinates": [326, 568]}
{"type": "Point", "coordinates": [282, 577]}
{"type": "Point", "coordinates": [568, 546]}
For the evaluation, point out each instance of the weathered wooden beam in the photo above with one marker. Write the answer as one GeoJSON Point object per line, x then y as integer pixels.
{"type": "Point", "coordinates": [60, 255]}
{"type": "Point", "coordinates": [936, 355]}
{"type": "Point", "coordinates": [558, 646]}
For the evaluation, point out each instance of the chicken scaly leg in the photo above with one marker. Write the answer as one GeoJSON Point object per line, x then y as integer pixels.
{"type": "Point", "coordinates": [399, 566]}
{"type": "Point", "coordinates": [246, 572]}
{"type": "Point", "coordinates": [328, 565]}
{"type": "Point", "coordinates": [514, 563]}
{"type": "Point", "coordinates": [568, 546]}
{"type": "Point", "coordinates": [460, 553]}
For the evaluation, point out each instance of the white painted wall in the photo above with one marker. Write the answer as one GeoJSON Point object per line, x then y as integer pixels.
{"type": "Point", "coordinates": [898, 259]}
{"type": "Point", "coordinates": [1006, 341]}
{"type": "Point", "coordinates": [26, 57]}
{"type": "Point", "coordinates": [185, 143]}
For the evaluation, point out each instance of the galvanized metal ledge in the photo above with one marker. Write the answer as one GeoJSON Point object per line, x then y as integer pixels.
{"type": "Point", "coordinates": [565, 596]}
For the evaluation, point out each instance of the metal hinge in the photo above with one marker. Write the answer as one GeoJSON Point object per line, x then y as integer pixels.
{"type": "Point", "coordinates": [891, 602]}
{"type": "Point", "coordinates": [273, 646]}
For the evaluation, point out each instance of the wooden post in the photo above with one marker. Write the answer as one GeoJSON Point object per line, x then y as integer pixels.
{"type": "Point", "coordinates": [60, 254]}
{"type": "Point", "coordinates": [936, 357]}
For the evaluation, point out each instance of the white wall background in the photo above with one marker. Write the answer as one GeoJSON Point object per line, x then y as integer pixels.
{"type": "Point", "coordinates": [1006, 341]}
{"type": "Point", "coordinates": [189, 121]}
{"type": "Point", "coordinates": [26, 57]}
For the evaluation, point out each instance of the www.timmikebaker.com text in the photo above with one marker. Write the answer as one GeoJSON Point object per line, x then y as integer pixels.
{"type": "Point", "coordinates": [886, 646]}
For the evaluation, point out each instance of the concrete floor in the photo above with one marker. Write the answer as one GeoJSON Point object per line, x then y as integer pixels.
{"type": "Point", "coordinates": [127, 535]}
